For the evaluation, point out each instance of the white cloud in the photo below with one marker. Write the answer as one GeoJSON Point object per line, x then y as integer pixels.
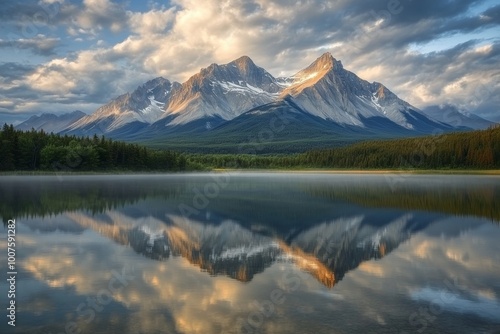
{"type": "Point", "coordinates": [152, 22]}
{"type": "Point", "coordinates": [64, 75]}
{"type": "Point", "coordinates": [99, 13]}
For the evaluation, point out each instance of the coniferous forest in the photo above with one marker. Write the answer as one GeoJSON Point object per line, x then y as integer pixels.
{"type": "Point", "coordinates": [463, 150]}
{"type": "Point", "coordinates": [37, 150]}
{"type": "Point", "coordinates": [478, 149]}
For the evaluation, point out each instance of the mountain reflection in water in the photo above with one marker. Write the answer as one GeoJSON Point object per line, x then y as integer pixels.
{"type": "Point", "coordinates": [369, 252]}
{"type": "Point", "coordinates": [319, 228]}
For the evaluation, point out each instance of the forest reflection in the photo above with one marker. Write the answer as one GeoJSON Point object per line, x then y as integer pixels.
{"type": "Point", "coordinates": [45, 196]}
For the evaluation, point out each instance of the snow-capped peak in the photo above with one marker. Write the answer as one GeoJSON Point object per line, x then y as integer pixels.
{"type": "Point", "coordinates": [223, 92]}
{"type": "Point", "coordinates": [312, 74]}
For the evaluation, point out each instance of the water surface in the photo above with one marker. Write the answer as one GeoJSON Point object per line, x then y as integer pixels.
{"type": "Point", "coordinates": [254, 253]}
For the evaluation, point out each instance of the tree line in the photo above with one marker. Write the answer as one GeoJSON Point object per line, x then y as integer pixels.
{"type": "Point", "coordinates": [462, 150]}
{"type": "Point", "coordinates": [37, 150]}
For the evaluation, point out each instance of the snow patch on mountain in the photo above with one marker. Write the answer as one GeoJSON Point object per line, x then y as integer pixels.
{"type": "Point", "coordinates": [284, 82]}
{"type": "Point", "coordinates": [375, 102]}
{"type": "Point", "coordinates": [230, 87]}
{"type": "Point", "coordinates": [247, 251]}
{"type": "Point", "coordinates": [153, 112]}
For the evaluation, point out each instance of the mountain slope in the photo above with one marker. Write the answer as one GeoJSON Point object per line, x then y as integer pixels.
{"type": "Point", "coordinates": [279, 127]}
{"type": "Point", "coordinates": [132, 110]}
{"type": "Point", "coordinates": [223, 91]}
{"type": "Point", "coordinates": [327, 90]}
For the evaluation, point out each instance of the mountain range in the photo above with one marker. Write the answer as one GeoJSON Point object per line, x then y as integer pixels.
{"type": "Point", "coordinates": [51, 122]}
{"type": "Point", "coordinates": [452, 115]}
{"type": "Point", "coordinates": [240, 107]}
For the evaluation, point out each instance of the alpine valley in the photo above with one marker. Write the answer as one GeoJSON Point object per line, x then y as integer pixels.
{"type": "Point", "coordinates": [239, 107]}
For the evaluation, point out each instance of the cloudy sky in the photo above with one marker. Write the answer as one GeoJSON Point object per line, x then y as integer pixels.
{"type": "Point", "coordinates": [61, 55]}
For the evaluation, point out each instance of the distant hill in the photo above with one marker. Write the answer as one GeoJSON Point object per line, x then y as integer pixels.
{"type": "Point", "coordinates": [50, 122]}
{"type": "Point", "coordinates": [450, 114]}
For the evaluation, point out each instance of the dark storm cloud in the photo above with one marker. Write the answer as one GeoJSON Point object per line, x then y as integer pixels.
{"type": "Point", "coordinates": [13, 11]}
{"type": "Point", "coordinates": [27, 18]}
{"type": "Point", "coordinates": [489, 18]}
{"type": "Point", "coordinates": [10, 71]}
{"type": "Point", "coordinates": [407, 22]}
{"type": "Point", "coordinates": [492, 13]}
{"type": "Point", "coordinates": [21, 92]}
{"type": "Point", "coordinates": [436, 69]}
{"type": "Point", "coordinates": [412, 11]}
{"type": "Point", "coordinates": [40, 45]}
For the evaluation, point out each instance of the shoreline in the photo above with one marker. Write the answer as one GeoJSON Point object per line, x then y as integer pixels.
{"type": "Point", "coordinates": [278, 171]}
{"type": "Point", "coordinates": [369, 171]}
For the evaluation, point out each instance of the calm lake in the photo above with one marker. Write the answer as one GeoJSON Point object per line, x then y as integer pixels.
{"type": "Point", "coordinates": [253, 253]}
